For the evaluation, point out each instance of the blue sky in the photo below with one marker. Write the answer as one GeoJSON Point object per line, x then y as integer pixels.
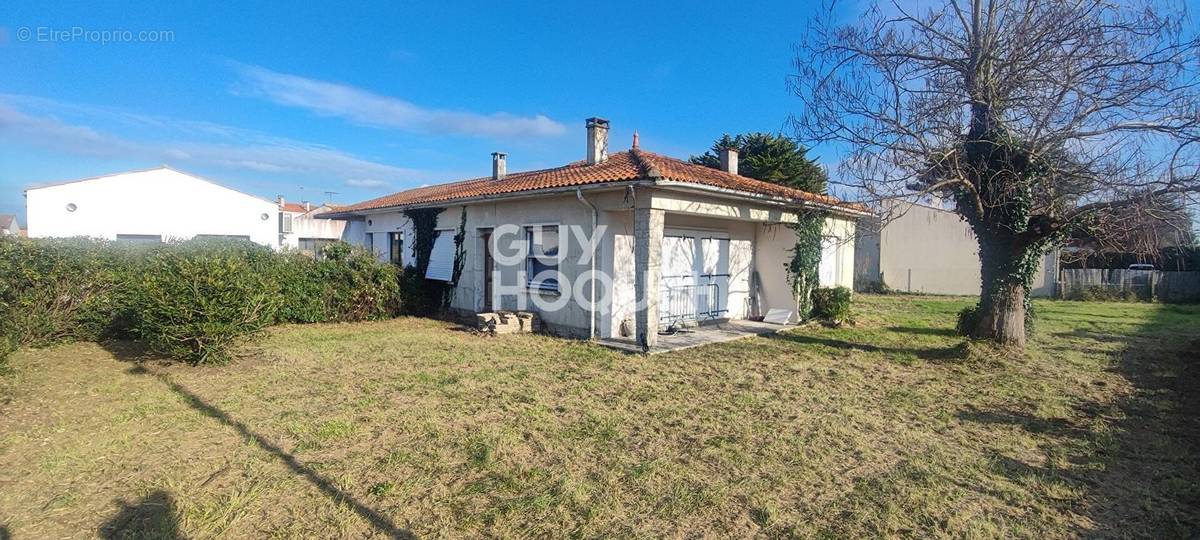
{"type": "Point", "coordinates": [297, 100]}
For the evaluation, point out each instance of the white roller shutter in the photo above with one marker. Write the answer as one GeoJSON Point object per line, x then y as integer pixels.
{"type": "Point", "coordinates": [827, 270]}
{"type": "Point", "coordinates": [441, 259]}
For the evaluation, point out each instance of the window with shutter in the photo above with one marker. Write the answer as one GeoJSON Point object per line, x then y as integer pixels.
{"type": "Point", "coordinates": [441, 259]}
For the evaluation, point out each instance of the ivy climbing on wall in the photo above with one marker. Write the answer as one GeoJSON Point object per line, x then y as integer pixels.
{"type": "Point", "coordinates": [803, 269]}
{"type": "Point", "coordinates": [420, 296]}
{"type": "Point", "coordinates": [424, 225]}
{"type": "Point", "coordinates": [460, 260]}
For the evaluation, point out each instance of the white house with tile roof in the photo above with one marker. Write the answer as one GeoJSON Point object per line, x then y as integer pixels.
{"type": "Point", "coordinates": [673, 241]}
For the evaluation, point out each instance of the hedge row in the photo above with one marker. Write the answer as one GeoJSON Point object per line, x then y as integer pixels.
{"type": "Point", "coordinates": [191, 300]}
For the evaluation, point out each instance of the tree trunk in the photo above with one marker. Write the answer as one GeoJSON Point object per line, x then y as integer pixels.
{"type": "Point", "coordinates": [1003, 266]}
{"type": "Point", "coordinates": [1002, 315]}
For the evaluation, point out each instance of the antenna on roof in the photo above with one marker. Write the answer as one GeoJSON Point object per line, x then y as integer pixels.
{"type": "Point", "coordinates": [329, 195]}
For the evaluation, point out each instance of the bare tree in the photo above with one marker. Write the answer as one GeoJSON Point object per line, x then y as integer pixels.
{"type": "Point", "coordinates": [1036, 117]}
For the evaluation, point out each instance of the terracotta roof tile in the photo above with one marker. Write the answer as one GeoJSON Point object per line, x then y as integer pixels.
{"type": "Point", "coordinates": [634, 164]}
{"type": "Point", "coordinates": [294, 207]}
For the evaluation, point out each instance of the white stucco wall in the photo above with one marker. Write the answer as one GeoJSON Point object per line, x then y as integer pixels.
{"type": "Point", "coordinates": [308, 225]}
{"type": "Point", "coordinates": [773, 245]}
{"type": "Point", "coordinates": [773, 254]}
{"type": "Point", "coordinates": [160, 202]}
{"type": "Point", "coordinates": [837, 253]}
{"type": "Point", "coordinates": [618, 262]}
{"type": "Point", "coordinates": [931, 250]}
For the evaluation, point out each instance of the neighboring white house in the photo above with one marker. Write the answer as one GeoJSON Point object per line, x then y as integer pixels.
{"type": "Point", "coordinates": [927, 249]}
{"type": "Point", "coordinates": [149, 206]}
{"type": "Point", "coordinates": [679, 241]}
{"type": "Point", "coordinates": [9, 225]}
{"type": "Point", "coordinates": [301, 228]}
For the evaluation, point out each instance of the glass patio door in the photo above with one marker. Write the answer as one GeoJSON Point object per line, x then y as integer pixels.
{"type": "Point", "coordinates": [695, 276]}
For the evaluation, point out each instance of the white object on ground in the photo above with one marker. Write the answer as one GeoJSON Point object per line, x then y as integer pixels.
{"type": "Point", "coordinates": [778, 316]}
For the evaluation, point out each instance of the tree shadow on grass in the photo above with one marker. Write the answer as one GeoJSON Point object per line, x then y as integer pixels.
{"type": "Point", "coordinates": [921, 331]}
{"type": "Point", "coordinates": [152, 517]}
{"type": "Point", "coordinates": [133, 352]}
{"type": "Point", "coordinates": [1032, 424]}
{"type": "Point", "coordinates": [932, 354]}
{"type": "Point", "coordinates": [1137, 460]}
{"type": "Point", "coordinates": [1093, 335]}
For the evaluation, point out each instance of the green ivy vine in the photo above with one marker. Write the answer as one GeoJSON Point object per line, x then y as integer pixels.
{"type": "Point", "coordinates": [803, 270]}
{"type": "Point", "coordinates": [424, 225]}
{"type": "Point", "coordinates": [1006, 175]}
{"type": "Point", "coordinates": [460, 260]}
{"type": "Point", "coordinates": [421, 296]}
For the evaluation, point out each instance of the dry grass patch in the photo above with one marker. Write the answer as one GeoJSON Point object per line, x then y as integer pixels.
{"type": "Point", "coordinates": [892, 427]}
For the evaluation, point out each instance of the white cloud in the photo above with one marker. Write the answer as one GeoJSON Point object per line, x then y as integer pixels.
{"type": "Point", "coordinates": [367, 108]}
{"type": "Point", "coordinates": [184, 142]}
{"type": "Point", "coordinates": [368, 183]}
{"type": "Point", "coordinates": [51, 133]}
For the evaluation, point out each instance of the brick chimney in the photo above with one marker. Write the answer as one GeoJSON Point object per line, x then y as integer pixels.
{"type": "Point", "coordinates": [729, 160]}
{"type": "Point", "coordinates": [499, 168]}
{"type": "Point", "coordinates": [597, 140]}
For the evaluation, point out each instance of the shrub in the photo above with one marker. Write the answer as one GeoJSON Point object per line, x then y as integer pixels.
{"type": "Point", "coordinates": [61, 290]}
{"type": "Point", "coordinates": [197, 301]}
{"type": "Point", "coordinates": [832, 304]}
{"type": "Point", "coordinates": [191, 300]}
{"type": "Point", "coordinates": [1106, 293]}
{"type": "Point", "coordinates": [302, 292]}
{"type": "Point", "coordinates": [358, 286]}
{"type": "Point", "coordinates": [421, 297]}
{"type": "Point", "coordinates": [874, 287]}
{"type": "Point", "coordinates": [968, 320]}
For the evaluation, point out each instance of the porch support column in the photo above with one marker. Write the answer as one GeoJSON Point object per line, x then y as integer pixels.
{"type": "Point", "coordinates": [647, 261]}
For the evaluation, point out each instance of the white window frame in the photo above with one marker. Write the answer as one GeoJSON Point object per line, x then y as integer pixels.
{"type": "Point", "coordinates": [393, 257]}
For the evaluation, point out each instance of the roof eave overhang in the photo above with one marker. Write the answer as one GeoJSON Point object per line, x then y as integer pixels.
{"type": "Point", "coordinates": [761, 198]}
{"type": "Point", "coordinates": [641, 182]}
{"type": "Point", "coordinates": [513, 196]}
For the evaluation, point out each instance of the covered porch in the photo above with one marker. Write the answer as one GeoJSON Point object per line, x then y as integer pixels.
{"type": "Point", "coordinates": [701, 269]}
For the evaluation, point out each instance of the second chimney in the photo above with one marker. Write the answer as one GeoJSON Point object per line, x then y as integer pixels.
{"type": "Point", "coordinates": [729, 160]}
{"type": "Point", "coordinates": [597, 140]}
{"type": "Point", "coordinates": [499, 169]}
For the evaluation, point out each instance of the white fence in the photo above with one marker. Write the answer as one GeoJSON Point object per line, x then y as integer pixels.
{"type": "Point", "coordinates": [1096, 283]}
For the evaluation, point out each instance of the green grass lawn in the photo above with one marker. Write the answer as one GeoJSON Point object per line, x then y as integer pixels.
{"type": "Point", "coordinates": [891, 427]}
